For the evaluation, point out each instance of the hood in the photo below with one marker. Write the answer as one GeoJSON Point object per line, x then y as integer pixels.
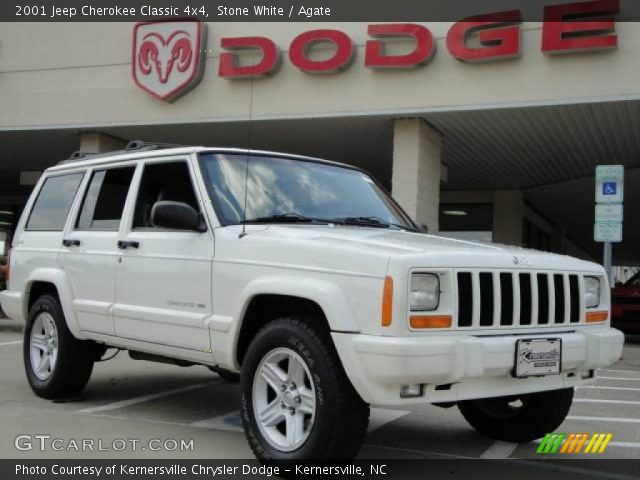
{"type": "Point", "coordinates": [419, 248]}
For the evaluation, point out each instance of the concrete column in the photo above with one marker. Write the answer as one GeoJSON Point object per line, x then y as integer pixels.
{"type": "Point", "coordinates": [508, 216]}
{"type": "Point", "coordinates": [415, 182]}
{"type": "Point", "coordinates": [97, 142]}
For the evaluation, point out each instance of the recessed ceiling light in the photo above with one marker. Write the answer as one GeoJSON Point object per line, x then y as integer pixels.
{"type": "Point", "coordinates": [455, 213]}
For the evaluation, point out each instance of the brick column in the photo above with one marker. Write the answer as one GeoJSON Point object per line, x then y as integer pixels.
{"type": "Point", "coordinates": [415, 182]}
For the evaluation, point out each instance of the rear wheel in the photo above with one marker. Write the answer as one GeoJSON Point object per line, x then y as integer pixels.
{"type": "Point", "coordinates": [297, 402]}
{"type": "Point", "coordinates": [518, 418]}
{"type": "Point", "coordinates": [56, 363]}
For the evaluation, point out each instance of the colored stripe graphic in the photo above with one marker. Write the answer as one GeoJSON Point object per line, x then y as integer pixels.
{"type": "Point", "coordinates": [550, 443]}
{"type": "Point", "coordinates": [572, 443]}
{"type": "Point", "coordinates": [598, 443]}
{"type": "Point", "coordinates": [585, 436]}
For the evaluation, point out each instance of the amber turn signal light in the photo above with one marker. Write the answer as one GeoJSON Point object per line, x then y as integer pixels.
{"type": "Point", "coordinates": [593, 317]}
{"type": "Point", "coordinates": [430, 321]}
{"type": "Point", "coordinates": [387, 301]}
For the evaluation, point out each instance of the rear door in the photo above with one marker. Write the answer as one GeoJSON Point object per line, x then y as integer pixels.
{"type": "Point", "coordinates": [89, 251]}
{"type": "Point", "coordinates": [163, 281]}
{"type": "Point", "coordinates": [38, 240]}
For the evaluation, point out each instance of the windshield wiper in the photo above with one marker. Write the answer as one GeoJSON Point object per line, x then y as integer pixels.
{"type": "Point", "coordinates": [369, 222]}
{"type": "Point", "coordinates": [293, 217]}
{"type": "Point", "coordinates": [285, 218]}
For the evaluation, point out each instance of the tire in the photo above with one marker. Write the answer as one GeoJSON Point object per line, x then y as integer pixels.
{"type": "Point", "coordinates": [536, 415]}
{"type": "Point", "coordinates": [228, 375]}
{"type": "Point", "coordinates": [331, 417]}
{"type": "Point", "coordinates": [70, 361]}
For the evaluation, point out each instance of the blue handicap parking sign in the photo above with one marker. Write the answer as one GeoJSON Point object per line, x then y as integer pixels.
{"type": "Point", "coordinates": [609, 188]}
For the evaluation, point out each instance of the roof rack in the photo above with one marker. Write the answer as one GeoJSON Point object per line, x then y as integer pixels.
{"type": "Point", "coordinates": [132, 146]}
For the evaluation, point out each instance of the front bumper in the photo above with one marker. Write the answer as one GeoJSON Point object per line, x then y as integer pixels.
{"type": "Point", "coordinates": [12, 304]}
{"type": "Point", "coordinates": [464, 367]}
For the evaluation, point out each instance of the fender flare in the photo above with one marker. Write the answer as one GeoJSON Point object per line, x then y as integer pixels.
{"type": "Point", "coordinates": [329, 297]}
{"type": "Point", "coordinates": [58, 278]}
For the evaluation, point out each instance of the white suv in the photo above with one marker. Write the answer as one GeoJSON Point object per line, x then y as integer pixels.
{"type": "Point", "coordinates": [306, 277]}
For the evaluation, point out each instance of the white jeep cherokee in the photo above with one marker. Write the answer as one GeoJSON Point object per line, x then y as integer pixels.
{"type": "Point", "coordinates": [312, 282]}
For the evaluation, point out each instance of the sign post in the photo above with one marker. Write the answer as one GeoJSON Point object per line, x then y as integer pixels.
{"type": "Point", "coordinates": [609, 210]}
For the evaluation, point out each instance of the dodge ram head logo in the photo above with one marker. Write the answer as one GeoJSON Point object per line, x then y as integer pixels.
{"type": "Point", "coordinates": [168, 57]}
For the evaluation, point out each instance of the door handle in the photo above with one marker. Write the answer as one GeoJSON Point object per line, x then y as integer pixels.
{"type": "Point", "coordinates": [71, 242]}
{"type": "Point", "coordinates": [124, 244]}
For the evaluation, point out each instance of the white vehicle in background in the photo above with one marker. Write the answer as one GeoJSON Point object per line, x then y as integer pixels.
{"type": "Point", "coordinates": [308, 279]}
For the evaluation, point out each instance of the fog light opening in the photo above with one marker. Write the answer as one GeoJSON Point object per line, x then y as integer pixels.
{"type": "Point", "coordinates": [412, 391]}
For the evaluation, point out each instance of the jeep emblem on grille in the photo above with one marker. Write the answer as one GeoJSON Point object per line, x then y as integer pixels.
{"type": "Point", "coordinates": [520, 261]}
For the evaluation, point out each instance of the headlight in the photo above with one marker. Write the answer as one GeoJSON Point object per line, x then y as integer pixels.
{"type": "Point", "coordinates": [591, 292]}
{"type": "Point", "coordinates": [424, 292]}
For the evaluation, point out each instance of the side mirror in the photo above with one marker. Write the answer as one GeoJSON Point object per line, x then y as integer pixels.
{"type": "Point", "coordinates": [177, 215]}
{"type": "Point", "coordinates": [423, 228]}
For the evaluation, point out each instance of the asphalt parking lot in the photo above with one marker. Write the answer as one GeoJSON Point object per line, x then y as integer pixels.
{"type": "Point", "coordinates": [128, 399]}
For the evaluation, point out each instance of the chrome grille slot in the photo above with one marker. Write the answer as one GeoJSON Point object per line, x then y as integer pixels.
{"type": "Point", "coordinates": [558, 294]}
{"type": "Point", "coordinates": [506, 300]}
{"type": "Point", "coordinates": [574, 292]}
{"type": "Point", "coordinates": [526, 300]}
{"type": "Point", "coordinates": [543, 298]}
{"type": "Point", "coordinates": [517, 299]}
{"type": "Point", "coordinates": [486, 299]}
{"type": "Point", "coordinates": [465, 299]}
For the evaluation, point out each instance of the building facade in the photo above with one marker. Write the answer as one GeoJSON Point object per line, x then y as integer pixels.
{"type": "Point", "coordinates": [487, 131]}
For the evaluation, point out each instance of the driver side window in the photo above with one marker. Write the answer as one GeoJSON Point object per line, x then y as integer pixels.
{"type": "Point", "coordinates": [162, 181]}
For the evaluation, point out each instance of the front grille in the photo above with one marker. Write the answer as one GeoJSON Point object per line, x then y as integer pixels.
{"type": "Point", "coordinates": [517, 299]}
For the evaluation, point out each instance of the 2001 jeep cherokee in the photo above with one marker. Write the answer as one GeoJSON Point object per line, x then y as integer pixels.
{"type": "Point", "coordinates": [313, 283]}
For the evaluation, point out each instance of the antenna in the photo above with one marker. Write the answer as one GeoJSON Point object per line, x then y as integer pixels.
{"type": "Point", "coordinates": [246, 173]}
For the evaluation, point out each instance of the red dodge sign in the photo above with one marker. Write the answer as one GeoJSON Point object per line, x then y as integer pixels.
{"type": "Point", "coordinates": [168, 55]}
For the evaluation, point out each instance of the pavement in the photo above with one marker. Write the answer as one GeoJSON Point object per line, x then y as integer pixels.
{"type": "Point", "coordinates": [129, 403]}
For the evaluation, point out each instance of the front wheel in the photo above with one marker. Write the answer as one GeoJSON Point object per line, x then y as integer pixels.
{"type": "Point", "coordinates": [519, 418]}
{"type": "Point", "coordinates": [297, 402]}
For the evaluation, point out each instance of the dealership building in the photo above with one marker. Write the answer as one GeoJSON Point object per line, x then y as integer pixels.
{"type": "Point", "coordinates": [488, 131]}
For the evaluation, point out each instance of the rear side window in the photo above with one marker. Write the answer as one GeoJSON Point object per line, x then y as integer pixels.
{"type": "Point", "coordinates": [104, 201]}
{"type": "Point", "coordinates": [54, 201]}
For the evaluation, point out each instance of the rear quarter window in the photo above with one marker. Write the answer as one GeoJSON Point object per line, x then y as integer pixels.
{"type": "Point", "coordinates": [51, 208]}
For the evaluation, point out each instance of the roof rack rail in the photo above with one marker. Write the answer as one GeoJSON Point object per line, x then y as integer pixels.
{"type": "Point", "coordinates": [132, 146]}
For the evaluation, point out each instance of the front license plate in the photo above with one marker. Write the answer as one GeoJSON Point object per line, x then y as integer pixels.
{"type": "Point", "coordinates": [538, 356]}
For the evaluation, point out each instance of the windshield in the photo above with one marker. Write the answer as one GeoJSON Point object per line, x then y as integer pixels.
{"type": "Point", "coordinates": [295, 190]}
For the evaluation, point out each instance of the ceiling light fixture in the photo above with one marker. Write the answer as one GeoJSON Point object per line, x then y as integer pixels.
{"type": "Point", "coordinates": [455, 213]}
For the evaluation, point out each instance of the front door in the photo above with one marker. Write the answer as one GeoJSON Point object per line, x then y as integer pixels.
{"type": "Point", "coordinates": [163, 277]}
